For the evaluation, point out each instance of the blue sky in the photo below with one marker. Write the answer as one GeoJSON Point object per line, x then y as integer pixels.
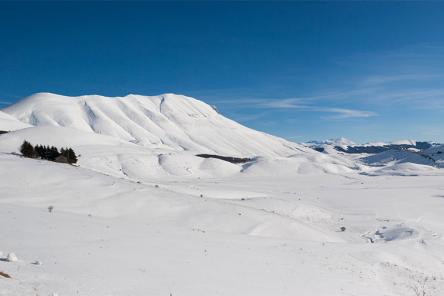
{"type": "Point", "coordinates": [363, 70]}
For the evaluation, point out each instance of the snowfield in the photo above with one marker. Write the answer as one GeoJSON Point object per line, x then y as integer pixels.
{"type": "Point", "coordinates": [140, 214]}
{"type": "Point", "coordinates": [9, 123]}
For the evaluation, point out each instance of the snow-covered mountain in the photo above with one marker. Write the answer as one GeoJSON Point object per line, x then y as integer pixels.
{"type": "Point", "coordinates": [141, 137]}
{"type": "Point", "coordinates": [398, 156]}
{"type": "Point", "coordinates": [402, 157]}
{"type": "Point", "coordinates": [167, 121]}
{"type": "Point", "coordinates": [346, 145]}
{"type": "Point", "coordinates": [437, 153]}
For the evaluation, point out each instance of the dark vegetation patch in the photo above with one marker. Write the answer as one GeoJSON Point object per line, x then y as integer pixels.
{"type": "Point", "coordinates": [65, 155]}
{"type": "Point", "coordinates": [226, 158]}
{"type": "Point", "coordinates": [5, 275]}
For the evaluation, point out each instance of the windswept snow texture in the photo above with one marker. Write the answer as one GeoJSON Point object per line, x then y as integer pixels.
{"type": "Point", "coordinates": [167, 121]}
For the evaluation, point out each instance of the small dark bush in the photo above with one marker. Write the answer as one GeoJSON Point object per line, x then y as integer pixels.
{"type": "Point", "coordinates": [27, 149]}
{"type": "Point", "coordinates": [226, 158]}
{"type": "Point", "coordinates": [70, 155]}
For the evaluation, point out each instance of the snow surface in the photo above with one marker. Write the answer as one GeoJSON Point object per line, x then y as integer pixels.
{"type": "Point", "coordinates": [10, 123]}
{"type": "Point", "coordinates": [398, 156]}
{"type": "Point", "coordinates": [257, 235]}
{"type": "Point", "coordinates": [140, 214]}
{"type": "Point", "coordinates": [433, 157]}
{"type": "Point", "coordinates": [391, 160]}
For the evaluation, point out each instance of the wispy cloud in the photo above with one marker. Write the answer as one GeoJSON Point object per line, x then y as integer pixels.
{"type": "Point", "coordinates": [291, 103]}
{"type": "Point", "coordinates": [298, 104]}
{"type": "Point", "coordinates": [378, 84]}
{"type": "Point", "coordinates": [406, 77]}
{"type": "Point", "coordinates": [263, 103]}
{"type": "Point", "coordinates": [342, 113]}
{"type": "Point", "coordinates": [379, 80]}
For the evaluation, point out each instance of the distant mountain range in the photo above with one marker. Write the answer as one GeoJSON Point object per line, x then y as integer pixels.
{"type": "Point", "coordinates": [419, 152]}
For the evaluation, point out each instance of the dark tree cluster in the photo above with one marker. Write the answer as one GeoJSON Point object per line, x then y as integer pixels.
{"type": "Point", "coordinates": [226, 158]}
{"type": "Point", "coordinates": [66, 155]}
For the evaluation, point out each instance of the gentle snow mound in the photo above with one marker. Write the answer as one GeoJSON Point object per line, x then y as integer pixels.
{"type": "Point", "coordinates": [11, 257]}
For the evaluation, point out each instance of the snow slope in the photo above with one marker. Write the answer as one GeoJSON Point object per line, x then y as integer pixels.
{"type": "Point", "coordinates": [123, 159]}
{"type": "Point", "coordinates": [10, 123]}
{"type": "Point", "coordinates": [241, 235]}
{"type": "Point", "coordinates": [437, 153]}
{"type": "Point", "coordinates": [116, 157]}
{"type": "Point", "coordinates": [398, 156]}
{"type": "Point", "coordinates": [404, 169]}
{"type": "Point", "coordinates": [167, 121]}
{"type": "Point", "coordinates": [407, 162]}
